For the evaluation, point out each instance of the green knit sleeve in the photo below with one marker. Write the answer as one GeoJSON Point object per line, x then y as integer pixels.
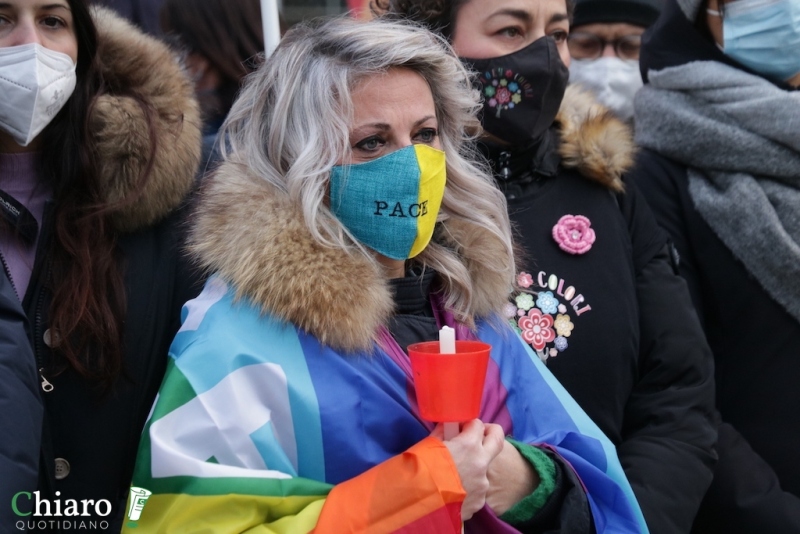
{"type": "Point", "coordinates": [527, 508]}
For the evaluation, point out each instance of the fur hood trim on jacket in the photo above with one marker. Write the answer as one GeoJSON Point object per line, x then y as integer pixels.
{"type": "Point", "coordinates": [136, 64]}
{"type": "Point", "coordinates": [593, 140]}
{"type": "Point", "coordinates": [255, 238]}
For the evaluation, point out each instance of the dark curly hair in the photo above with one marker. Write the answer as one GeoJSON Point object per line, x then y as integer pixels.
{"type": "Point", "coordinates": [436, 15]}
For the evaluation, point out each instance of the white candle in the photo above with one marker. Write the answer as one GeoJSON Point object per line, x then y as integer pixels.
{"type": "Point", "coordinates": [447, 345]}
{"type": "Point", "coordinates": [447, 340]}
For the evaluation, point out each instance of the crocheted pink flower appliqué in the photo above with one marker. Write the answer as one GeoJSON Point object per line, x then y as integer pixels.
{"type": "Point", "coordinates": [574, 234]}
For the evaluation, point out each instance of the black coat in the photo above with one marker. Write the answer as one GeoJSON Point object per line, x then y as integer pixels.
{"type": "Point", "coordinates": [98, 435]}
{"type": "Point", "coordinates": [20, 409]}
{"type": "Point", "coordinates": [756, 345]}
{"type": "Point", "coordinates": [635, 359]}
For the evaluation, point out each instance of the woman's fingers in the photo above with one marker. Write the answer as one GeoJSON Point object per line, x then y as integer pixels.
{"type": "Point", "coordinates": [473, 450]}
{"type": "Point", "coordinates": [493, 439]}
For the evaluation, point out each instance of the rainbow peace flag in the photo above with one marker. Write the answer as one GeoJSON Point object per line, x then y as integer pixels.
{"type": "Point", "coordinates": [260, 428]}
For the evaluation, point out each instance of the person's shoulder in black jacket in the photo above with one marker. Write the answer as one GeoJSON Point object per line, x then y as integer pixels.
{"type": "Point", "coordinates": [20, 411]}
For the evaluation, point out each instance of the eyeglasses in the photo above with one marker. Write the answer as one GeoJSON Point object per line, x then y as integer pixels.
{"type": "Point", "coordinates": [590, 46]}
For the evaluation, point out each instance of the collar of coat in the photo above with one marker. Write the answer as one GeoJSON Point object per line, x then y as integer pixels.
{"type": "Point", "coordinates": [136, 64]}
{"type": "Point", "coordinates": [593, 140]}
{"type": "Point", "coordinates": [255, 238]}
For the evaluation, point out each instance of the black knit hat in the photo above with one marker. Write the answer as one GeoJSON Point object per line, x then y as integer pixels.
{"type": "Point", "coordinates": [639, 12]}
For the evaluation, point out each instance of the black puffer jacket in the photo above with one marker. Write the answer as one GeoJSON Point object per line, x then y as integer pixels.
{"type": "Point", "coordinates": [626, 342]}
{"type": "Point", "coordinates": [89, 440]}
{"type": "Point", "coordinates": [755, 342]}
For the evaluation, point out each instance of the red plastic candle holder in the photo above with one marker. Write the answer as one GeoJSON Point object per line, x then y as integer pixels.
{"type": "Point", "coordinates": [449, 386]}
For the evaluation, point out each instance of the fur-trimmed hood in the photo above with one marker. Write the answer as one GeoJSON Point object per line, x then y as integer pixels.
{"type": "Point", "coordinates": [255, 238]}
{"type": "Point", "coordinates": [593, 140]}
{"type": "Point", "coordinates": [134, 63]}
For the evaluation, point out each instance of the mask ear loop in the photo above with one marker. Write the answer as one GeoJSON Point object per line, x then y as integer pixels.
{"type": "Point", "coordinates": [715, 13]}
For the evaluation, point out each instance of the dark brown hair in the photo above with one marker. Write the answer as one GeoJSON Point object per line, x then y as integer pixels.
{"type": "Point", "coordinates": [227, 33]}
{"type": "Point", "coordinates": [436, 15]}
{"type": "Point", "coordinates": [87, 312]}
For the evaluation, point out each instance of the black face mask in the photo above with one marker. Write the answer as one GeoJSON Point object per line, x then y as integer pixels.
{"type": "Point", "coordinates": [521, 91]}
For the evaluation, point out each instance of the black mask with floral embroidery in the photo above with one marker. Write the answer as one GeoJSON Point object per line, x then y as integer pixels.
{"type": "Point", "coordinates": [521, 91]}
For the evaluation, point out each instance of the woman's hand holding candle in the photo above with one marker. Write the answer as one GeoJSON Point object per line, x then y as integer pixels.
{"type": "Point", "coordinates": [473, 451]}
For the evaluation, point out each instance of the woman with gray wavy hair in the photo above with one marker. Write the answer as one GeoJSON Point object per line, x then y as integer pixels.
{"type": "Point", "coordinates": [348, 220]}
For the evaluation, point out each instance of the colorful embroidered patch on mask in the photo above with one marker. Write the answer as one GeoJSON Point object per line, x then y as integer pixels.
{"type": "Point", "coordinates": [503, 89]}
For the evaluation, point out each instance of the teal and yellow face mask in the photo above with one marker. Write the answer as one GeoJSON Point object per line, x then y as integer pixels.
{"type": "Point", "coordinates": [390, 204]}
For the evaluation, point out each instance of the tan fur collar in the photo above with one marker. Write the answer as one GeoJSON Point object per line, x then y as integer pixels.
{"type": "Point", "coordinates": [134, 63]}
{"type": "Point", "coordinates": [254, 238]}
{"type": "Point", "coordinates": [593, 140]}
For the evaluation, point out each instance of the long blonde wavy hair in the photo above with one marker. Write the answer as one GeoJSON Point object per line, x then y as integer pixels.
{"type": "Point", "coordinates": [290, 126]}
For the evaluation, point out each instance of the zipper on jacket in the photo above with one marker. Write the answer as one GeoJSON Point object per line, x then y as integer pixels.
{"type": "Point", "coordinates": [35, 296]}
{"type": "Point", "coordinates": [47, 387]}
{"type": "Point", "coordinates": [38, 335]}
{"type": "Point", "coordinates": [504, 165]}
{"type": "Point", "coordinates": [8, 274]}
